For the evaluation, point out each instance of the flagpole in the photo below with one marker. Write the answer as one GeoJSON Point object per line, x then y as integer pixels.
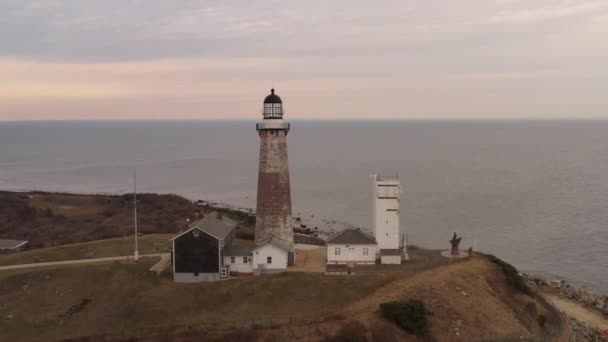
{"type": "Point", "coordinates": [136, 254]}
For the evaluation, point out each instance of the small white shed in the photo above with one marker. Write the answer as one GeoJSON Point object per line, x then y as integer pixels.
{"type": "Point", "coordinates": [238, 259]}
{"type": "Point", "coordinates": [271, 257]}
{"type": "Point", "coordinates": [351, 246]}
{"type": "Point", "coordinates": [390, 256]}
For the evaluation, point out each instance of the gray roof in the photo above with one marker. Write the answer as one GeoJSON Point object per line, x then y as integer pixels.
{"type": "Point", "coordinates": [11, 244]}
{"type": "Point", "coordinates": [390, 252]}
{"type": "Point", "coordinates": [238, 250]}
{"type": "Point", "coordinates": [352, 236]}
{"type": "Point", "coordinates": [278, 243]}
{"type": "Point", "coordinates": [212, 225]}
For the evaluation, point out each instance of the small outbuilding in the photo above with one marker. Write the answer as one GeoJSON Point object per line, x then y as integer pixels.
{"type": "Point", "coordinates": [197, 252]}
{"type": "Point", "coordinates": [12, 245]}
{"type": "Point", "coordinates": [271, 257]}
{"type": "Point", "coordinates": [390, 256]}
{"type": "Point", "coordinates": [351, 246]}
{"type": "Point", "coordinates": [238, 259]}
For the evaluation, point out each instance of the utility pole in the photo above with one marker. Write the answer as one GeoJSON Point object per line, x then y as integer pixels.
{"type": "Point", "coordinates": [136, 255]}
{"type": "Point", "coordinates": [404, 245]}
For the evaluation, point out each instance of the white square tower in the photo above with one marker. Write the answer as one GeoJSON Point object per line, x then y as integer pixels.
{"type": "Point", "coordinates": [386, 195]}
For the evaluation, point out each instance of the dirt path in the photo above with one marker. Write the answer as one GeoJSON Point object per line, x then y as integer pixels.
{"type": "Point", "coordinates": [73, 262]}
{"type": "Point", "coordinates": [577, 311]}
{"type": "Point", "coordinates": [310, 260]}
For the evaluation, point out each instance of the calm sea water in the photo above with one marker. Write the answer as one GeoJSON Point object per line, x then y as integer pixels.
{"type": "Point", "coordinates": [532, 192]}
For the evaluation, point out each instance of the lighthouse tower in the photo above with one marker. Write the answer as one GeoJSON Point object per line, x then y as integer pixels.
{"type": "Point", "coordinates": [273, 212]}
{"type": "Point", "coordinates": [386, 197]}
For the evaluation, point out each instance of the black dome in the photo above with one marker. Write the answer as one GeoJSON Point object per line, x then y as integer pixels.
{"type": "Point", "coordinates": [272, 98]}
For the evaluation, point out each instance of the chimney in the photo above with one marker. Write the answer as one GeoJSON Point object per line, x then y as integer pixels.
{"type": "Point", "coordinates": [220, 215]}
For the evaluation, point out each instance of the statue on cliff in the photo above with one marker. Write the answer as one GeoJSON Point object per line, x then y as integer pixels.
{"type": "Point", "coordinates": [455, 243]}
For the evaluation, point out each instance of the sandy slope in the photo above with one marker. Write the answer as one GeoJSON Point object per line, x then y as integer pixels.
{"type": "Point", "coordinates": [469, 301]}
{"type": "Point", "coordinates": [578, 311]}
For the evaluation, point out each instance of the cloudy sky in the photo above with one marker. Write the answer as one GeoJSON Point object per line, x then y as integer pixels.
{"type": "Point", "coordinates": [158, 59]}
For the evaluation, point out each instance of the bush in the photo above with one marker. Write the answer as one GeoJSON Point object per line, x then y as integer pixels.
{"type": "Point", "coordinates": [512, 276]}
{"type": "Point", "coordinates": [542, 320]}
{"type": "Point", "coordinates": [409, 315]}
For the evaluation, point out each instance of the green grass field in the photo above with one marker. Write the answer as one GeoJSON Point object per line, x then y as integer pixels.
{"type": "Point", "coordinates": [88, 250]}
{"type": "Point", "coordinates": [121, 299]}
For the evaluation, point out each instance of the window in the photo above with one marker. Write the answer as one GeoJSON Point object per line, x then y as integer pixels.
{"type": "Point", "coordinates": [365, 251]}
{"type": "Point", "coordinates": [195, 233]}
{"type": "Point", "coordinates": [245, 260]}
{"type": "Point", "coordinates": [337, 251]}
{"type": "Point", "coordinates": [269, 260]}
{"type": "Point", "coordinates": [232, 261]}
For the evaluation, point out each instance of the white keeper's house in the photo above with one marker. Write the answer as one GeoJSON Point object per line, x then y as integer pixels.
{"type": "Point", "coordinates": [351, 246]}
{"type": "Point", "coordinates": [270, 257]}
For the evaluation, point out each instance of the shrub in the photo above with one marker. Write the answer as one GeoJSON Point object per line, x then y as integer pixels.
{"type": "Point", "coordinates": [542, 320]}
{"type": "Point", "coordinates": [409, 315]}
{"type": "Point", "coordinates": [513, 278]}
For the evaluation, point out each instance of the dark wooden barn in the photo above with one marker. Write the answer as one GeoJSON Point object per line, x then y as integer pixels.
{"type": "Point", "coordinates": [197, 252]}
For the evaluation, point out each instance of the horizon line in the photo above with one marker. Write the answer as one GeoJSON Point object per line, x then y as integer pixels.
{"type": "Point", "coordinates": [314, 119]}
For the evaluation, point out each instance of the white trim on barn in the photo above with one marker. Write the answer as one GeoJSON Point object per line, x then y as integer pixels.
{"type": "Point", "coordinates": [173, 256]}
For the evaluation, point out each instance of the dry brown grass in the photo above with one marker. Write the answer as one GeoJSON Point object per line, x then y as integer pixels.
{"type": "Point", "coordinates": [68, 205]}
{"type": "Point", "coordinates": [468, 301]}
{"type": "Point", "coordinates": [148, 244]}
{"type": "Point", "coordinates": [50, 219]}
{"type": "Point", "coordinates": [127, 298]}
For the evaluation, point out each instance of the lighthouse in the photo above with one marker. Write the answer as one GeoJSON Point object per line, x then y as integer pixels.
{"type": "Point", "coordinates": [273, 212]}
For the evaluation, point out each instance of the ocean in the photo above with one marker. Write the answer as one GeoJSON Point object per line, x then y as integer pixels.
{"type": "Point", "coordinates": [534, 193]}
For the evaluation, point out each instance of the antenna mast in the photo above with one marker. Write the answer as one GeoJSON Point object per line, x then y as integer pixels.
{"type": "Point", "coordinates": [136, 254]}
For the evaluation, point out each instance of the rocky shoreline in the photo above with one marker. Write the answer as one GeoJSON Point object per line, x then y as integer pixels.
{"type": "Point", "coordinates": [561, 288]}
{"type": "Point", "coordinates": [592, 301]}
{"type": "Point", "coordinates": [304, 223]}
